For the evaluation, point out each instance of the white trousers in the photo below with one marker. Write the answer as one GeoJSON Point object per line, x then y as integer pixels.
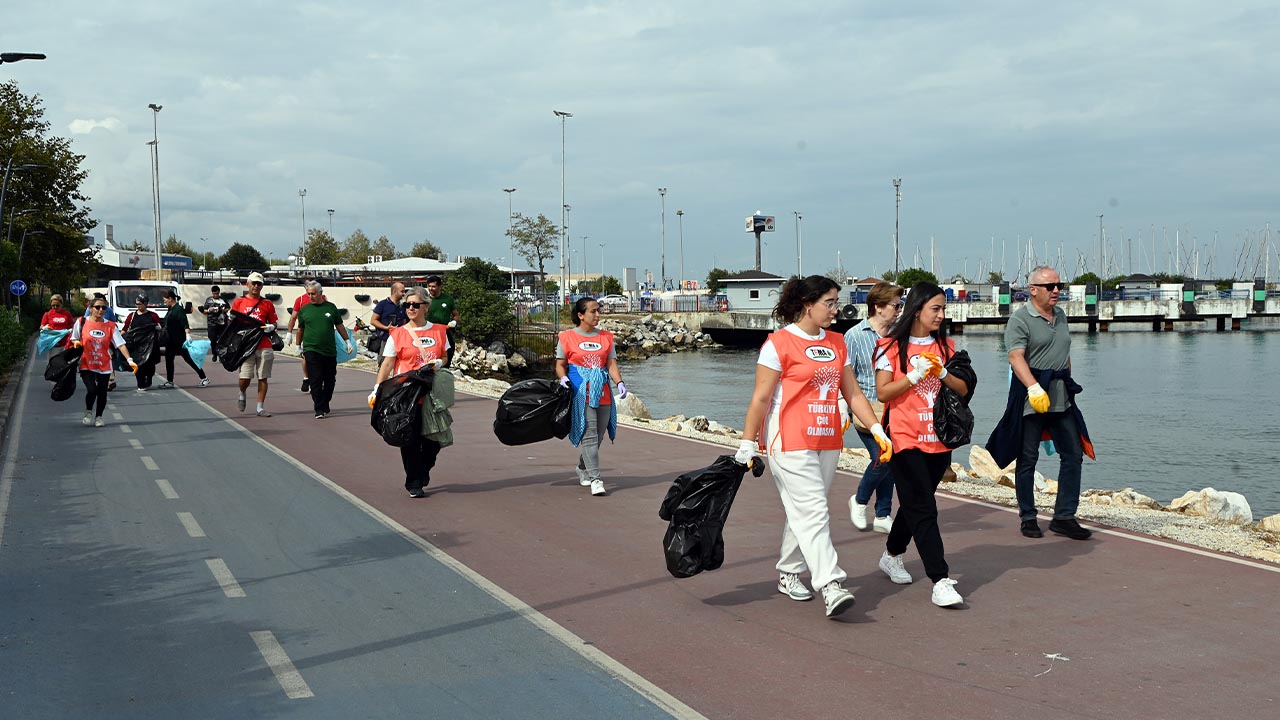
{"type": "Point", "coordinates": [804, 479]}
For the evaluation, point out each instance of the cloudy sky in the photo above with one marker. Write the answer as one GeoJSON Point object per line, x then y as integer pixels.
{"type": "Point", "coordinates": [1004, 119]}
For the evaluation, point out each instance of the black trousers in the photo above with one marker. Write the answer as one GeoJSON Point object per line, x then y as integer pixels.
{"type": "Point", "coordinates": [215, 331]}
{"type": "Point", "coordinates": [322, 371]}
{"type": "Point", "coordinates": [418, 457]}
{"type": "Point", "coordinates": [448, 356]}
{"type": "Point", "coordinates": [95, 384]}
{"type": "Point", "coordinates": [916, 475]}
{"type": "Point", "coordinates": [172, 350]}
{"type": "Point", "coordinates": [146, 373]}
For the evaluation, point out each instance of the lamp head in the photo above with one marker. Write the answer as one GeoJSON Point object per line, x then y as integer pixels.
{"type": "Point", "coordinates": [155, 108]}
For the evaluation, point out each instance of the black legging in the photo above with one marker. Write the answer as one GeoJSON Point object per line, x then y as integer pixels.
{"type": "Point", "coordinates": [174, 349]}
{"type": "Point", "coordinates": [95, 383]}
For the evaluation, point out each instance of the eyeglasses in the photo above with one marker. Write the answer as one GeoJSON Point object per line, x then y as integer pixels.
{"type": "Point", "coordinates": [831, 304]}
{"type": "Point", "coordinates": [897, 305]}
{"type": "Point", "coordinates": [415, 305]}
{"type": "Point", "coordinates": [1051, 286]}
{"type": "Point", "coordinates": [99, 307]}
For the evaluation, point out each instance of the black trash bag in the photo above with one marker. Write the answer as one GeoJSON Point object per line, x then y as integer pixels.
{"type": "Point", "coordinates": [143, 343]}
{"type": "Point", "coordinates": [532, 411]}
{"type": "Point", "coordinates": [697, 506]}
{"type": "Point", "coordinates": [60, 362]}
{"type": "Point", "coordinates": [952, 419]}
{"type": "Point", "coordinates": [62, 370]}
{"type": "Point", "coordinates": [238, 341]}
{"type": "Point", "coordinates": [397, 408]}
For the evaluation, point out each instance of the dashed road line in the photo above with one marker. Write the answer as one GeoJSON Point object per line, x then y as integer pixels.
{"type": "Point", "coordinates": [189, 522]}
{"type": "Point", "coordinates": [126, 429]}
{"type": "Point", "coordinates": [166, 489]}
{"type": "Point", "coordinates": [148, 463]}
{"type": "Point", "coordinates": [135, 443]}
{"type": "Point", "coordinates": [225, 579]}
{"type": "Point", "coordinates": [295, 688]}
{"type": "Point", "coordinates": [117, 416]}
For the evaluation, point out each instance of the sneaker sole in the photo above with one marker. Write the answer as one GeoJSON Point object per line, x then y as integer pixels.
{"type": "Point", "coordinates": [853, 515]}
{"type": "Point", "coordinates": [953, 603]}
{"type": "Point", "coordinates": [797, 598]}
{"type": "Point", "coordinates": [840, 607]}
{"type": "Point", "coordinates": [1071, 535]}
{"type": "Point", "coordinates": [897, 581]}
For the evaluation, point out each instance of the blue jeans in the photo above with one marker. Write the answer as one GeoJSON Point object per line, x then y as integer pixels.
{"type": "Point", "coordinates": [876, 477]}
{"type": "Point", "coordinates": [1066, 438]}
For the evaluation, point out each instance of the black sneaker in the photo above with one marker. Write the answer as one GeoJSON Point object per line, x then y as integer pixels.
{"type": "Point", "coordinates": [417, 493]}
{"type": "Point", "coordinates": [1070, 528]}
{"type": "Point", "coordinates": [1031, 529]}
{"type": "Point", "coordinates": [306, 385]}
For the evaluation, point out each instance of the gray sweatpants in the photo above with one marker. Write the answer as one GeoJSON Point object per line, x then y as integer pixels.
{"type": "Point", "coordinates": [597, 430]}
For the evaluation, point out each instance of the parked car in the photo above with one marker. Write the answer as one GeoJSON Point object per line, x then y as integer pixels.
{"type": "Point", "coordinates": [615, 302]}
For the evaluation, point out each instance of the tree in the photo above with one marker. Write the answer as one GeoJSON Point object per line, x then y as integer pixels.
{"type": "Point", "coordinates": [482, 272]}
{"type": "Point", "coordinates": [1085, 278]}
{"type": "Point", "coordinates": [535, 239]}
{"type": "Point", "coordinates": [321, 248]}
{"type": "Point", "coordinates": [383, 247]}
{"type": "Point", "coordinates": [610, 285]}
{"type": "Point", "coordinates": [426, 249]}
{"type": "Point", "coordinates": [713, 280]}
{"type": "Point", "coordinates": [206, 260]}
{"type": "Point", "coordinates": [60, 218]}
{"type": "Point", "coordinates": [911, 276]}
{"type": "Point", "coordinates": [355, 250]}
{"type": "Point", "coordinates": [486, 315]}
{"type": "Point", "coordinates": [994, 278]}
{"type": "Point", "coordinates": [243, 257]}
{"type": "Point", "coordinates": [138, 247]}
{"type": "Point", "coordinates": [174, 246]}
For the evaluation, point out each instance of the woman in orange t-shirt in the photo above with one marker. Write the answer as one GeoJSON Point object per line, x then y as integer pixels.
{"type": "Point", "coordinates": [910, 370]}
{"type": "Point", "coordinates": [802, 371]}
{"type": "Point", "coordinates": [97, 336]}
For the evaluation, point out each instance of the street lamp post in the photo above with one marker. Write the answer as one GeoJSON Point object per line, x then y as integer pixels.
{"type": "Point", "coordinates": [662, 270]}
{"type": "Point", "coordinates": [564, 239]}
{"type": "Point", "coordinates": [4, 186]}
{"type": "Point", "coordinates": [680, 223]}
{"type": "Point", "coordinates": [585, 274]}
{"type": "Point", "coordinates": [601, 267]}
{"type": "Point", "coordinates": [21, 247]}
{"type": "Point", "coordinates": [897, 203]}
{"type": "Point", "coordinates": [511, 253]}
{"type": "Point", "coordinates": [13, 57]}
{"type": "Point", "coordinates": [568, 276]}
{"type": "Point", "coordinates": [302, 194]}
{"type": "Point", "coordinates": [799, 245]}
{"type": "Point", "coordinates": [155, 178]}
{"type": "Point", "coordinates": [330, 222]}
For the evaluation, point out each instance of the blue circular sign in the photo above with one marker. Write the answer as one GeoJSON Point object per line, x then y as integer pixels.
{"type": "Point", "coordinates": [17, 287]}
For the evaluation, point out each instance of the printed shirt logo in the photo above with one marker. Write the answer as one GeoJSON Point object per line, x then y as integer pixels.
{"type": "Point", "coordinates": [97, 334]}
{"type": "Point", "coordinates": [820, 353]}
{"type": "Point", "coordinates": [426, 342]}
{"type": "Point", "coordinates": [589, 346]}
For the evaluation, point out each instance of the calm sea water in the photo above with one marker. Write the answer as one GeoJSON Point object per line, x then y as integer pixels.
{"type": "Point", "coordinates": [1167, 412]}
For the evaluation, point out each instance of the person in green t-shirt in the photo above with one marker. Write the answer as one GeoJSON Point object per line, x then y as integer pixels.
{"type": "Point", "coordinates": [444, 310]}
{"type": "Point", "coordinates": [318, 320]}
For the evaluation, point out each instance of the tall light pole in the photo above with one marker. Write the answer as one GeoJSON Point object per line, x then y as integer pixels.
{"type": "Point", "coordinates": [155, 178]}
{"type": "Point", "coordinates": [302, 194]}
{"type": "Point", "coordinates": [569, 259]}
{"type": "Point", "coordinates": [602, 267]}
{"type": "Point", "coordinates": [1102, 255]}
{"type": "Point", "coordinates": [680, 224]}
{"type": "Point", "coordinates": [511, 252]}
{"type": "Point", "coordinates": [799, 246]}
{"type": "Point", "coordinates": [330, 222]}
{"type": "Point", "coordinates": [897, 204]}
{"type": "Point", "coordinates": [565, 208]}
{"type": "Point", "coordinates": [9, 168]}
{"type": "Point", "coordinates": [584, 263]}
{"type": "Point", "coordinates": [662, 195]}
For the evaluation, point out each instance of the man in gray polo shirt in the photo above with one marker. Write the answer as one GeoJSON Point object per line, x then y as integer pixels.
{"type": "Point", "coordinates": [1038, 340]}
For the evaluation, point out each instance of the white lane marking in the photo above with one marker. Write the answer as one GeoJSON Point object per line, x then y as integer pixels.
{"type": "Point", "coordinates": [135, 443]}
{"type": "Point", "coordinates": [287, 675]}
{"type": "Point", "coordinates": [225, 579]}
{"type": "Point", "coordinates": [11, 443]}
{"type": "Point", "coordinates": [117, 416]}
{"type": "Point", "coordinates": [166, 489]}
{"type": "Point", "coordinates": [125, 428]}
{"type": "Point", "coordinates": [189, 522]}
{"type": "Point", "coordinates": [148, 463]}
{"type": "Point", "coordinates": [654, 694]}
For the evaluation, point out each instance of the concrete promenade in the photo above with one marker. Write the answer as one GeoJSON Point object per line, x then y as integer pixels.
{"type": "Point", "coordinates": [517, 594]}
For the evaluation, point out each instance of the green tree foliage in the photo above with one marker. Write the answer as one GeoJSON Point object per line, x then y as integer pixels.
{"type": "Point", "coordinates": [488, 275]}
{"type": "Point", "coordinates": [911, 276]}
{"type": "Point", "coordinates": [609, 285]}
{"type": "Point", "coordinates": [383, 247]}
{"type": "Point", "coordinates": [243, 257]}
{"type": "Point", "coordinates": [321, 248]}
{"type": "Point", "coordinates": [1113, 283]}
{"type": "Point", "coordinates": [484, 315]}
{"type": "Point", "coordinates": [535, 239]}
{"type": "Point", "coordinates": [994, 278]}
{"type": "Point", "coordinates": [426, 249]}
{"type": "Point", "coordinates": [57, 216]}
{"type": "Point", "coordinates": [714, 277]}
{"type": "Point", "coordinates": [138, 247]}
{"type": "Point", "coordinates": [1085, 278]}
{"type": "Point", "coordinates": [174, 246]}
{"type": "Point", "coordinates": [356, 249]}
{"type": "Point", "coordinates": [206, 260]}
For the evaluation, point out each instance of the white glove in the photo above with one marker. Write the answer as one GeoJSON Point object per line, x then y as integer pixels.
{"type": "Point", "coordinates": [268, 327]}
{"type": "Point", "coordinates": [350, 349]}
{"type": "Point", "coordinates": [453, 323]}
{"type": "Point", "coordinates": [436, 364]}
{"type": "Point", "coordinates": [919, 368]}
{"type": "Point", "coordinates": [373, 396]}
{"type": "Point", "coordinates": [746, 451]}
{"type": "Point", "coordinates": [622, 391]}
{"type": "Point", "coordinates": [564, 381]}
{"type": "Point", "coordinates": [846, 415]}
{"type": "Point", "coordinates": [291, 336]}
{"type": "Point", "coordinates": [886, 445]}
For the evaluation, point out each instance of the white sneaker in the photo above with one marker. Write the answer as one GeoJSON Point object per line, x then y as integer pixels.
{"type": "Point", "coordinates": [882, 524]}
{"type": "Point", "coordinates": [838, 599]}
{"type": "Point", "coordinates": [87, 420]}
{"type": "Point", "coordinates": [857, 513]}
{"type": "Point", "coordinates": [945, 595]}
{"type": "Point", "coordinates": [597, 487]}
{"type": "Point", "coordinates": [792, 586]}
{"type": "Point", "coordinates": [583, 480]}
{"type": "Point", "coordinates": [141, 391]}
{"type": "Point", "coordinates": [892, 566]}
{"type": "Point", "coordinates": [204, 382]}
{"type": "Point", "coordinates": [99, 422]}
{"type": "Point", "coordinates": [166, 385]}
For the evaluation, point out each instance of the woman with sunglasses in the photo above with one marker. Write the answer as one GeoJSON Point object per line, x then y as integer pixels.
{"type": "Point", "coordinates": [57, 317]}
{"type": "Point", "coordinates": [910, 371]}
{"type": "Point", "coordinates": [585, 362]}
{"type": "Point", "coordinates": [795, 416]}
{"type": "Point", "coordinates": [97, 336]}
{"type": "Point", "coordinates": [417, 344]}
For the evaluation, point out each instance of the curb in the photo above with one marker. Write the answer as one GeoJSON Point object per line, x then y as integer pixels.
{"type": "Point", "coordinates": [12, 379]}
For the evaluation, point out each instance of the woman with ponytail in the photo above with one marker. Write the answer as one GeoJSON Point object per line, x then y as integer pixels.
{"type": "Point", "coordinates": [795, 418]}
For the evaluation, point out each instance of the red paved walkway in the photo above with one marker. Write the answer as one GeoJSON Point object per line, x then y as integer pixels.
{"type": "Point", "coordinates": [1141, 631]}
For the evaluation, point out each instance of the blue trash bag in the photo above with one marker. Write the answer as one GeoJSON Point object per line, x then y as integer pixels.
{"type": "Point", "coordinates": [50, 339]}
{"type": "Point", "coordinates": [341, 344]}
{"type": "Point", "coordinates": [198, 349]}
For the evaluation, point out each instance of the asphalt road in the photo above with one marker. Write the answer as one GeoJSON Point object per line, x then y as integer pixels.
{"type": "Point", "coordinates": [170, 565]}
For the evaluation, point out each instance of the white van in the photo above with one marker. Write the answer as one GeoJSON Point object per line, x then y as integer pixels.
{"type": "Point", "coordinates": [123, 296]}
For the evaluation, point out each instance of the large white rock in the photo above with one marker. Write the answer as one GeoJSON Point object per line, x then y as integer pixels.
{"type": "Point", "coordinates": [982, 465]}
{"type": "Point", "coordinates": [633, 406]}
{"type": "Point", "coordinates": [1229, 507]}
{"type": "Point", "coordinates": [1270, 524]}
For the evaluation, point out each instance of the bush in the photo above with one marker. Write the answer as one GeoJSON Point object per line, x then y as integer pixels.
{"type": "Point", "coordinates": [483, 314]}
{"type": "Point", "coordinates": [13, 339]}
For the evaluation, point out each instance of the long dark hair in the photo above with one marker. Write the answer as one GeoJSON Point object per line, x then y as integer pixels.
{"type": "Point", "coordinates": [799, 292]}
{"type": "Point", "coordinates": [900, 333]}
{"type": "Point", "coordinates": [580, 309]}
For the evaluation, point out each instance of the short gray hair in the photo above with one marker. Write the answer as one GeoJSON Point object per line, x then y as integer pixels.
{"type": "Point", "coordinates": [418, 292]}
{"type": "Point", "coordinates": [1038, 270]}
{"type": "Point", "coordinates": [314, 285]}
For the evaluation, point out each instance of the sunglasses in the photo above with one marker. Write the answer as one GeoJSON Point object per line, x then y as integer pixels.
{"type": "Point", "coordinates": [98, 307]}
{"type": "Point", "coordinates": [416, 305]}
{"type": "Point", "coordinates": [1051, 286]}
